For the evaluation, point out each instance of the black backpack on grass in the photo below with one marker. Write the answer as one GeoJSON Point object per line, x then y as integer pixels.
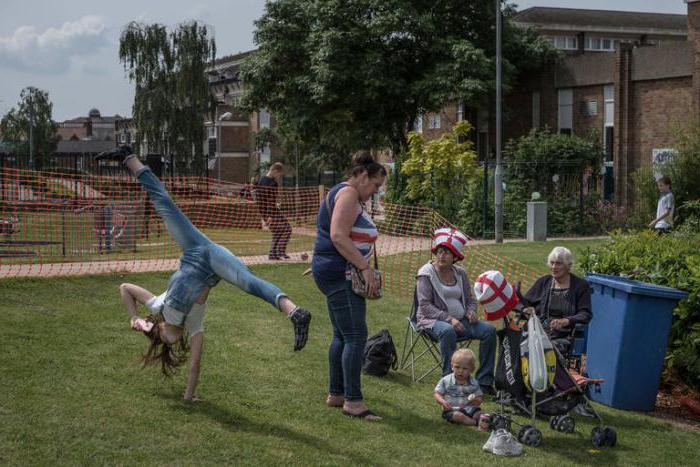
{"type": "Point", "coordinates": [380, 354]}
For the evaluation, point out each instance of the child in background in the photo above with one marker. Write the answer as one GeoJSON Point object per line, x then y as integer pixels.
{"type": "Point", "coordinates": [664, 209]}
{"type": "Point", "coordinates": [459, 393]}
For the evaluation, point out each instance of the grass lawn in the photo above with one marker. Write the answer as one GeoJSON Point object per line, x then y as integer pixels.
{"type": "Point", "coordinates": [73, 391]}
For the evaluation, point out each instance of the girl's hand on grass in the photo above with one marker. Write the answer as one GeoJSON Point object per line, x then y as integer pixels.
{"type": "Point", "coordinates": [140, 324]}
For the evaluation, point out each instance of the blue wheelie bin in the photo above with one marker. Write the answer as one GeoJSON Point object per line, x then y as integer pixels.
{"type": "Point", "coordinates": [627, 339]}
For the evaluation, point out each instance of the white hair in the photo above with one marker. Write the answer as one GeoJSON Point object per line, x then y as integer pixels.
{"type": "Point", "coordinates": [562, 255]}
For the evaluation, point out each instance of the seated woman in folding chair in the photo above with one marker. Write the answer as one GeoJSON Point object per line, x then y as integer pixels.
{"type": "Point", "coordinates": [202, 265]}
{"type": "Point", "coordinates": [447, 309]}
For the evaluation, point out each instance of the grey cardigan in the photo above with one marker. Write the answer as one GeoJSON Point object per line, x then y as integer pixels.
{"type": "Point", "coordinates": [431, 307]}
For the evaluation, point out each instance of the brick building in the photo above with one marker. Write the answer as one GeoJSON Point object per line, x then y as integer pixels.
{"type": "Point", "coordinates": [232, 153]}
{"type": "Point", "coordinates": [633, 78]}
{"type": "Point", "coordinates": [95, 127]}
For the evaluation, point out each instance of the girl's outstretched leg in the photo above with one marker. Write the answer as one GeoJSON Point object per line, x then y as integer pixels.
{"type": "Point", "coordinates": [179, 226]}
{"type": "Point", "coordinates": [232, 270]}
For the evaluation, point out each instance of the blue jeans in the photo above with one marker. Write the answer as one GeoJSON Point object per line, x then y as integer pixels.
{"type": "Point", "coordinates": [347, 312]}
{"type": "Point", "coordinates": [203, 263]}
{"type": "Point", "coordinates": [447, 338]}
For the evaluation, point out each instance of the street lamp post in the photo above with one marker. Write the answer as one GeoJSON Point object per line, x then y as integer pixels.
{"type": "Point", "coordinates": [498, 176]}
{"type": "Point", "coordinates": [31, 132]}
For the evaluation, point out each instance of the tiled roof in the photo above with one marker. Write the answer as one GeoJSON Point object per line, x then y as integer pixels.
{"type": "Point", "coordinates": [95, 119]}
{"type": "Point", "coordinates": [543, 16]}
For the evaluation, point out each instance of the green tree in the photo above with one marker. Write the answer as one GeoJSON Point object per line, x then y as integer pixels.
{"type": "Point", "coordinates": [344, 75]}
{"type": "Point", "coordinates": [438, 171]}
{"type": "Point", "coordinates": [32, 119]}
{"type": "Point", "coordinates": [172, 92]}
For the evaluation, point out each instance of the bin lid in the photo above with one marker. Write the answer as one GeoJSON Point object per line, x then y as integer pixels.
{"type": "Point", "coordinates": [636, 287]}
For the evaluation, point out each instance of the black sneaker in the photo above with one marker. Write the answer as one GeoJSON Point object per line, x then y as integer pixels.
{"type": "Point", "coordinates": [116, 154]}
{"type": "Point", "coordinates": [300, 320]}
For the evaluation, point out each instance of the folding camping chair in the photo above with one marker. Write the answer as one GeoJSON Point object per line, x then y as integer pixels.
{"type": "Point", "coordinates": [421, 343]}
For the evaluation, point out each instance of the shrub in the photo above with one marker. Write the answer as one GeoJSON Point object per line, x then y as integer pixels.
{"type": "Point", "coordinates": [672, 260]}
{"type": "Point", "coordinates": [438, 171]}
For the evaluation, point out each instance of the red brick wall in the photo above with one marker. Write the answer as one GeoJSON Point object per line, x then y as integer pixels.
{"type": "Point", "coordinates": [657, 109]}
{"type": "Point", "coordinates": [235, 139]}
{"type": "Point", "coordinates": [584, 124]}
{"type": "Point", "coordinates": [234, 169]}
{"type": "Point", "coordinates": [448, 119]}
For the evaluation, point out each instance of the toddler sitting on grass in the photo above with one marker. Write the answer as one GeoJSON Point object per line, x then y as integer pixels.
{"type": "Point", "coordinates": [459, 393]}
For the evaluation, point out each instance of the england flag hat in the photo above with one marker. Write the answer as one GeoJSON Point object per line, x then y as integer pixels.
{"type": "Point", "coordinates": [496, 295]}
{"type": "Point", "coordinates": [453, 239]}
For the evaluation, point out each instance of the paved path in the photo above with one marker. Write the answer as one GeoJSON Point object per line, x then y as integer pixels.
{"type": "Point", "coordinates": [386, 245]}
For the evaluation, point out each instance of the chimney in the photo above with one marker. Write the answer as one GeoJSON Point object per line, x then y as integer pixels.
{"type": "Point", "coordinates": [694, 39]}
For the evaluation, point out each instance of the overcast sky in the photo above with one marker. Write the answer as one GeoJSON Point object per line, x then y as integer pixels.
{"type": "Point", "coordinates": [70, 49]}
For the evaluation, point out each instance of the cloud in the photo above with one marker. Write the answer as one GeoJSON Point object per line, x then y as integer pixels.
{"type": "Point", "coordinates": [54, 49]}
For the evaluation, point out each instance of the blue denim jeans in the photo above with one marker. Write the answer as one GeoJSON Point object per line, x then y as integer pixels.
{"type": "Point", "coordinates": [347, 312]}
{"type": "Point", "coordinates": [447, 340]}
{"type": "Point", "coordinates": [203, 263]}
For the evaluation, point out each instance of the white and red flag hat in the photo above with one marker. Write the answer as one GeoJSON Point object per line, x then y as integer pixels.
{"type": "Point", "coordinates": [496, 295]}
{"type": "Point", "coordinates": [453, 239]}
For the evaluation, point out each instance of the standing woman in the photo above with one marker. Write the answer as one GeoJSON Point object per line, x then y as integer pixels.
{"type": "Point", "coordinates": [346, 236]}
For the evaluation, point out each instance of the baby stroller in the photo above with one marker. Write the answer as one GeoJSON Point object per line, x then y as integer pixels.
{"type": "Point", "coordinates": [533, 378]}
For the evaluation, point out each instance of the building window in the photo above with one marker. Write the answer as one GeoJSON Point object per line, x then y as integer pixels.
{"type": "Point", "coordinates": [536, 110]}
{"type": "Point", "coordinates": [264, 117]}
{"type": "Point", "coordinates": [609, 97]}
{"type": "Point", "coordinates": [434, 121]}
{"type": "Point", "coordinates": [564, 42]}
{"type": "Point", "coordinates": [609, 121]}
{"type": "Point", "coordinates": [418, 124]}
{"type": "Point", "coordinates": [211, 132]}
{"type": "Point", "coordinates": [601, 44]}
{"type": "Point", "coordinates": [566, 110]}
{"type": "Point", "coordinates": [265, 154]}
{"type": "Point", "coordinates": [589, 108]}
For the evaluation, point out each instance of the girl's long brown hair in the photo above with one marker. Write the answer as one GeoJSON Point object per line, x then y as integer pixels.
{"type": "Point", "coordinates": [170, 356]}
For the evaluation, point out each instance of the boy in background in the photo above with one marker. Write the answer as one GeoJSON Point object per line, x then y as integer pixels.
{"type": "Point", "coordinates": [664, 209]}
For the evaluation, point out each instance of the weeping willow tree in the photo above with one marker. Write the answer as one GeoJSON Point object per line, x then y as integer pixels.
{"type": "Point", "coordinates": [172, 95]}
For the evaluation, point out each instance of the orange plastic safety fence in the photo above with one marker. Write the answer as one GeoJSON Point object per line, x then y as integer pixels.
{"type": "Point", "coordinates": [58, 224]}
{"type": "Point", "coordinates": [405, 243]}
{"type": "Point", "coordinates": [66, 224]}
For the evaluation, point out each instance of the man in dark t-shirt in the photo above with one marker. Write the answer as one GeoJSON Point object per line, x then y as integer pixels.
{"type": "Point", "coordinates": [267, 194]}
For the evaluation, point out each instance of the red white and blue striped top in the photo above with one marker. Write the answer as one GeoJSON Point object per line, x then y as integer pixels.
{"type": "Point", "coordinates": [327, 261]}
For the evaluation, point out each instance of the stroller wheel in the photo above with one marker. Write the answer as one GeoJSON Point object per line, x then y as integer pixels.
{"type": "Point", "coordinates": [610, 436]}
{"type": "Point", "coordinates": [553, 421]}
{"type": "Point", "coordinates": [530, 436]}
{"type": "Point", "coordinates": [598, 436]}
{"type": "Point", "coordinates": [499, 421]}
{"type": "Point", "coordinates": [566, 424]}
